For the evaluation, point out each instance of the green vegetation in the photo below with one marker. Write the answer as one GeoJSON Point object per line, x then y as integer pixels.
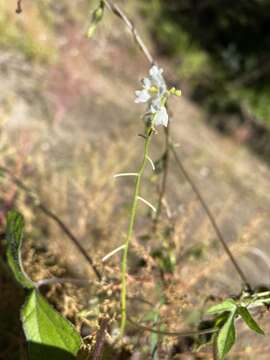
{"type": "Point", "coordinates": [47, 332]}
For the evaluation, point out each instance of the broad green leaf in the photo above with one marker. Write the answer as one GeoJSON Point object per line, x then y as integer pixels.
{"type": "Point", "coordinates": [46, 331]}
{"type": "Point", "coordinates": [14, 235]}
{"type": "Point", "coordinates": [226, 336]}
{"type": "Point", "coordinates": [226, 305]}
{"type": "Point", "coordinates": [248, 319]}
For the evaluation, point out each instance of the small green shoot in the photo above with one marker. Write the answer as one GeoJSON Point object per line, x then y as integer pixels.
{"type": "Point", "coordinates": [226, 314]}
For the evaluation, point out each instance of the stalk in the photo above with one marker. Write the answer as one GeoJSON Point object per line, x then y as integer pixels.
{"type": "Point", "coordinates": [132, 219]}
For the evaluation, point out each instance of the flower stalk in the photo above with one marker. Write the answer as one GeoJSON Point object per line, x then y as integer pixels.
{"type": "Point", "coordinates": [133, 211]}
{"type": "Point", "coordinates": [154, 94]}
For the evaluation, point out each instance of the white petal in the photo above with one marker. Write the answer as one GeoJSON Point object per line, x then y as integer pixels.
{"type": "Point", "coordinates": [154, 71]}
{"type": "Point", "coordinates": [162, 117]}
{"type": "Point", "coordinates": [142, 96]}
{"type": "Point", "coordinates": [156, 76]}
{"type": "Point", "coordinates": [156, 102]}
{"type": "Point", "coordinates": [146, 83]}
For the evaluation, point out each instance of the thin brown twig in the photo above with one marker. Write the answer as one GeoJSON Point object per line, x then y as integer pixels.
{"type": "Point", "coordinates": [211, 218]}
{"type": "Point", "coordinates": [172, 333]}
{"type": "Point", "coordinates": [19, 9]}
{"type": "Point", "coordinates": [57, 280]}
{"type": "Point", "coordinates": [100, 340]}
{"type": "Point", "coordinates": [37, 203]}
{"type": "Point", "coordinates": [164, 179]}
{"type": "Point", "coordinates": [120, 13]}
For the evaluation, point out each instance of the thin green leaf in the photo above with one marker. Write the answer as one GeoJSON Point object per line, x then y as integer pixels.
{"type": "Point", "coordinates": [14, 235]}
{"type": "Point", "coordinates": [227, 305]}
{"type": "Point", "coordinates": [47, 332]}
{"type": "Point", "coordinates": [248, 319]}
{"type": "Point", "coordinates": [154, 339]}
{"type": "Point", "coordinates": [226, 336]}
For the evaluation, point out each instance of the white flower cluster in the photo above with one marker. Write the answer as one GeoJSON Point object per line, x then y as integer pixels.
{"type": "Point", "coordinates": [154, 93]}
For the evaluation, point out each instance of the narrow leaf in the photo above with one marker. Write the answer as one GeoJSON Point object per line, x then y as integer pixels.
{"type": "Point", "coordinates": [47, 332]}
{"type": "Point", "coordinates": [248, 319]}
{"type": "Point", "coordinates": [226, 305]}
{"type": "Point", "coordinates": [14, 235]}
{"type": "Point", "coordinates": [226, 336]}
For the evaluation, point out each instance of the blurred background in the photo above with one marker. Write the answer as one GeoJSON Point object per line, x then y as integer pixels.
{"type": "Point", "coordinates": [66, 112]}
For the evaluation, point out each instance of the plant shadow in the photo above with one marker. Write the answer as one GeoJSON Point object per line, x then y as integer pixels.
{"type": "Point", "coordinates": [38, 351]}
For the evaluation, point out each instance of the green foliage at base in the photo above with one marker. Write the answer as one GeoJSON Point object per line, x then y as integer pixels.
{"type": "Point", "coordinates": [46, 330]}
{"type": "Point", "coordinates": [226, 314]}
{"type": "Point", "coordinates": [48, 334]}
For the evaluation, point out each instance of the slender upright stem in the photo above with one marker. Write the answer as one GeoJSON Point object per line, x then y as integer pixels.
{"type": "Point", "coordinates": [132, 219]}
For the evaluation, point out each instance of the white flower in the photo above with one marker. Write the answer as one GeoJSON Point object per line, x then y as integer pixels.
{"type": "Point", "coordinates": [154, 93]}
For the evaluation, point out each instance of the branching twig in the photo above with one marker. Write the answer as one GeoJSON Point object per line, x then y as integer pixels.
{"type": "Point", "coordinates": [36, 202]}
{"type": "Point", "coordinates": [211, 218]}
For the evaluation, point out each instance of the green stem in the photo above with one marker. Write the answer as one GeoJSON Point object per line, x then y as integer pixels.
{"type": "Point", "coordinates": [130, 230]}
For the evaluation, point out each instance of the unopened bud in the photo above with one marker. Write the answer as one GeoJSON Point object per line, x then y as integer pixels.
{"type": "Point", "coordinates": [97, 16]}
{"type": "Point", "coordinates": [176, 92]}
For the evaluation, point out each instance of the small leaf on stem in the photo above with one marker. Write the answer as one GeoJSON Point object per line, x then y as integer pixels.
{"type": "Point", "coordinates": [14, 235]}
{"type": "Point", "coordinates": [226, 336]}
{"type": "Point", "coordinates": [248, 319]}
{"type": "Point", "coordinates": [227, 305]}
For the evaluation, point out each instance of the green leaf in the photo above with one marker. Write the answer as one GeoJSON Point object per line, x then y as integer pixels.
{"type": "Point", "coordinates": [226, 336]}
{"type": "Point", "coordinates": [227, 305]}
{"type": "Point", "coordinates": [46, 331]}
{"type": "Point", "coordinates": [14, 235]}
{"type": "Point", "coordinates": [248, 319]}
